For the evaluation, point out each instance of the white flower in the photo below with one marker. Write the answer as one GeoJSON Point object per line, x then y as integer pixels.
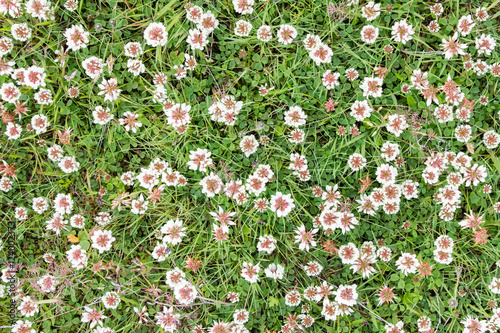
{"type": "Point", "coordinates": [101, 115]}
{"type": "Point", "coordinates": [485, 44]}
{"type": "Point", "coordinates": [133, 49]}
{"type": "Point", "coordinates": [402, 32]}
{"type": "Point", "coordinates": [76, 37]}
{"type": "Point", "coordinates": [242, 28]}
{"type": "Point", "coordinates": [197, 39]}
{"type": "Point", "coordinates": [267, 243]}
{"type": "Point", "coordinates": [173, 231]}
{"type": "Point", "coordinates": [40, 205]}
{"type": "Point", "coordinates": [407, 263]}
{"type": "Point", "coordinates": [156, 34]}
{"type": "Point", "coordinates": [286, 34]}
{"type": "Point", "coordinates": [249, 144]}
{"type": "Point", "coordinates": [135, 66]}
{"type": "Point", "coordinates": [346, 295]}
{"type": "Point", "coordinates": [295, 117]}
{"type": "Point", "coordinates": [281, 204]}
{"type": "Point", "coordinates": [13, 131]}
{"type": "Point", "coordinates": [369, 34]}
{"type": "Point", "coordinates": [264, 33]}
{"type": "Point", "coordinates": [9, 92]}
{"type": "Point", "coordinates": [361, 110]}
{"type": "Point", "coordinates": [185, 293]}
{"type": "Point", "coordinates": [21, 31]}
{"type": "Point", "coordinates": [34, 77]}
{"type": "Point", "coordinates": [250, 272]}
{"type": "Point", "coordinates": [495, 285]}
{"type": "Point", "coordinates": [109, 88]}
{"type": "Point", "coordinates": [372, 86]}
{"type": "Point", "coordinates": [77, 256]}
{"type": "Point", "coordinates": [43, 96]}
{"type": "Point", "coordinates": [93, 67]}
{"type": "Point", "coordinates": [243, 6]}
{"type": "Point", "coordinates": [139, 206]}
{"type": "Point", "coordinates": [212, 185]}
{"type": "Point", "coordinates": [47, 283]}
{"type": "Point", "coordinates": [68, 164]}
{"type": "Point", "coordinates": [102, 240]}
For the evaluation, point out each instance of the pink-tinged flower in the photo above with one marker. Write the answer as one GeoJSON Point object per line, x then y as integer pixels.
{"type": "Point", "coordinates": [142, 313]}
{"type": "Point", "coordinates": [102, 240]}
{"type": "Point", "coordinates": [321, 54]}
{"type": "Point", "coordinates": [197, 39]}
{"type": "Point", "coordinates": [407, 263]}
{"type": "Point", "coordinates": [485, 44]}
{"type": "Point", "coordinates": [305, 238]}
{"type": "Point", "coordinates": [220, 233]}
{"type": "Point", "coordinates": [264, 33]}
{"type": "Point", "coordinates": [130, 121]}
{"type": "Point", "coordinates": [199, 159]}
{"type": "Point", "coordinates": [193, 13]}
{"type": "Point", "coordinates": [330, 80]}
{"type": "Point", "coordinates": [286, 34]}
{"type": "Point", "coordinates": [250, 272]}
{"type": "Point", "coordinates": [465, 25]}
{"type": "Point", "coordinates": [391, 328]}
{"type": "Point", "coordinates": [495, 287]}
{"type": "Point", "coordinates": [111, 300]}
{"type": "Point", "coordinates": [133, 50]}
{"type": "Point", "coordinates": [369, 34]}
{"type": "Point", "coordinates": [402, 32]}
{"type": "Point", "coordinates": [178, 114]}
{"type": "Point", "coordinates": [474, 175]}
{"type": "Point", "coordinates": [156, 34]}
{"type": "Point", "coordinates": [434, 26]}
{"type": "Point", "coordinates": [13, 131]}
{"type": "Point", "coordinates": [264, 90]}
{"type": "Point", "coordinates": [473, 325]}
{"type": "Point", "coordinates": [361, 110]}
{"type": "Point", "coordinates": [101, 115]}
{"type": "Point", "coordinates": [212, 185]}
{"type": "Point", "coordinates": [267, 243]}
{"type": "Point", "coordinates": [330, 309]}
{"type": "Point", "coordinates": [185, 293]}
{"type": "Point", "coordinates": [491, 139]}
{"type": "Point", "coordinates": [281, 204]}
{"type": "Point", "coordinates": [109, 88]}
{"type": "Point", "coordinates": [249, 144]}
{"type": "Point", "coordinates": [23, 326]}
{"type": "Point", "coordinates": [396, 124]}
{"type": "Point", "coordinates": [385, 295]}
{"type": "Point", "coordinates": [242, 28]}
{"type": "Point", "coordinates": [173, 232]}
{"type": "Point", "coordinates": [77, 256]}
{"type": "Point", "coordinates": [372, 86]}
{"type": "Point", "coordinates": [370, 11]}
{"type": "Point", "coordinates": [261, 205]}
{"type": "Point", "coordinates": [452, 46]}
{"type": "Point", "coordinates": [363, 265]}
{"type": "Point", "coordinates": [21, 31]}
{"type": "Point", "coordinates": [9, 92]}
{"type": "Point", "coordinates": [93, 67]}
{"type": "Point", "coordinates": [208, 22]}
{"type": "Point", "coordinates": [295, 117]}
{"type": "Point", "coordinates": [57, 223]}
{"type": "Point", "coordinates": [68, 164]}
{"type": "Point", "coordinates": [243, 6]}
{"type": "Point", "coordinates": [76, 37]}
{"type": "Point", "coordinates": [47, 283]}
{"type": "Point", "coordinates": [93, 316]}
{"type": "Point", "coordinates": [346, 294]}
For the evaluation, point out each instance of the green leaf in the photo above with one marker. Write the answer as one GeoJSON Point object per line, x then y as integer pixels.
{"type": "Point", "coordinates": [85, 245]}
{"type": "Point", "coordinates": [272, 301]}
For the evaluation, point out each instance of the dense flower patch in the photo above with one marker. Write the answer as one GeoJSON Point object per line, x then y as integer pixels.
{"type": "Point", "coordinates": [250, 166]}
